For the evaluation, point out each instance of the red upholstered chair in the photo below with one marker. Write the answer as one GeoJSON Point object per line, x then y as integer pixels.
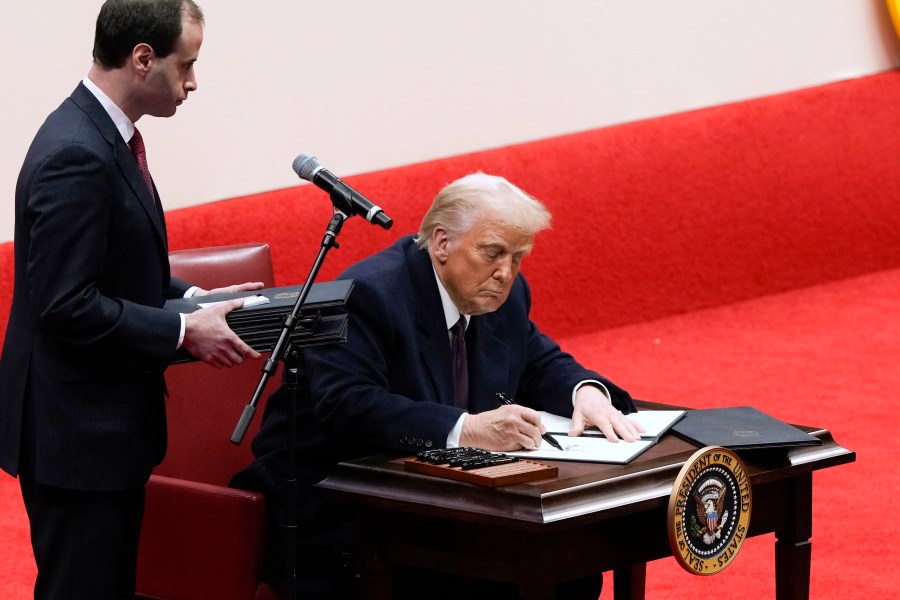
{"type": "Point", "coordinates": [201, 539]}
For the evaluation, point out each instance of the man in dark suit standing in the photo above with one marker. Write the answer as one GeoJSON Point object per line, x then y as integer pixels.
{"type": "Point", "coordinates": [408, 379]}
{"type": "Point", "coordinates": [82, 407]}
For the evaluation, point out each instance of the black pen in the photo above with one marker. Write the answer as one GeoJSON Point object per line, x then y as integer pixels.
{"type": "Point", "coordinates": [546, 436]}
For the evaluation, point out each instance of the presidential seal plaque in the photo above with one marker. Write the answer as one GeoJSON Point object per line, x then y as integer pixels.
{"type": "Point", "coordinates": [709, 511]}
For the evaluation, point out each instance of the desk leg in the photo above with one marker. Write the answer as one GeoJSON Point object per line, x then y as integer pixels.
{"type": "Point", "coordinates": [376, 576]}
{"type": "Point", "coordinates": [629, 582]}
{"type": "Point", "coordinates": [535, 580]}
{"type": "Point", "coordinates": [793, 550]}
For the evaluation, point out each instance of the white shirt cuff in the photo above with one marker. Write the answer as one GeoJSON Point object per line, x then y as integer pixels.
{"type": "Point", "coordinates": [592, 382]}
{"type": "Point", "coordinates": [453, 436]}
{"type": "Point", "coordinates": [188, 294]}
{"type": "Point", "coordinates": [181, 333]}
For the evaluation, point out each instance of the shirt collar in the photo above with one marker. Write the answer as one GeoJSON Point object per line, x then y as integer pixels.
{"type": "Point", "coordinates": [122, 122]}
{"type": "Point", "coordinates": [451, 313]}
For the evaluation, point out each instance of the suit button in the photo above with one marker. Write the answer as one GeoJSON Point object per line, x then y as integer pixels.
{"type": "Point", "coordinates": [419, 443]}
{"type": "Point", "coordinates": [428, 443]}
{"type": "Point", "coordinates": [403, 440]}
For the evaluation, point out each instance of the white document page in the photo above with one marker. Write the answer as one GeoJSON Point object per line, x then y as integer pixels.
{"type": "Point", "coordinates": [592, 446]}
{"type": "Point", "coordinates": [587, 449]}
{"type": "Point", "coordinates": [655, 422]}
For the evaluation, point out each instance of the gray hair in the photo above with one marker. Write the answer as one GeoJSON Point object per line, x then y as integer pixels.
{"type": "Point", "coordinates": [477, 196]}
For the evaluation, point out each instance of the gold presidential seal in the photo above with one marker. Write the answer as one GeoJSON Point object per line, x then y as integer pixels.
{"type": "Point", "coordinates": [709, 511]}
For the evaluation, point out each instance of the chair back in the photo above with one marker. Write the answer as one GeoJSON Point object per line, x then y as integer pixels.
{"type": "Point", "coordinates": [205, 403]}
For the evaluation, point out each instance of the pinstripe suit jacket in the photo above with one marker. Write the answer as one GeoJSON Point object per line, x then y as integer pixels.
{"type": "Point", "coordinates": [81, 387]}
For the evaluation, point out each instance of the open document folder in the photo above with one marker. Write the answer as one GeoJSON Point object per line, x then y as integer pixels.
{"type": "Point", "coordinates": [592, 446]}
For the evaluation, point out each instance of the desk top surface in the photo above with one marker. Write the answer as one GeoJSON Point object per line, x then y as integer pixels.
{"type": "Point", "coordinates": [580, 491]}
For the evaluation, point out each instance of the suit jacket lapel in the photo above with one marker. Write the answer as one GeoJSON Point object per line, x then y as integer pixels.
{"type": "Point", "coordinates": [488, 354]}
{"type": "Point", "coordinates": [488, 363]}
{"type": "Point", "coordinates": [124, 158]}
{"type": "Point", "coordinates": [432, 327]}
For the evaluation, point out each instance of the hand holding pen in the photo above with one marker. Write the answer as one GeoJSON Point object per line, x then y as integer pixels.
{"type": "Point", "coordinates": [504, 399]}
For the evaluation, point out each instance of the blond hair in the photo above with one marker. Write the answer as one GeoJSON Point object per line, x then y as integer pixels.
{"type": "Point", "coordinates": [477, 196]}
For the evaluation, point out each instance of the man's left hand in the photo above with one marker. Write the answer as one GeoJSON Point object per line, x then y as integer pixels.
{"type": "Point", "coordinates": [592, 407]}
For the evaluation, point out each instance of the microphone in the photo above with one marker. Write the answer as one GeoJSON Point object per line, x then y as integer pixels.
{"type": "Point", "coordinates": [344, 197]}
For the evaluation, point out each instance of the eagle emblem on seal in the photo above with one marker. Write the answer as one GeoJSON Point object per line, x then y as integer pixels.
{"type": "Point", "coordinates": [710, 499]}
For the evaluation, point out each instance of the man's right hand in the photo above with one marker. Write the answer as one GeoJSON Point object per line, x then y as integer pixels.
{"type": "Point", "coordinates": [207, 336]}
{"type": "Point", "coordinates": [504, 429]}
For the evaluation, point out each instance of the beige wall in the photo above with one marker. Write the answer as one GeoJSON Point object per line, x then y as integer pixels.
{"type": "Point", "coordinates": [368, 84]}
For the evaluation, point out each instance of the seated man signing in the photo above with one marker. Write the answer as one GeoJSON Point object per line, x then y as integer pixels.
{"type": "Point", "coordinates": [409, 379]}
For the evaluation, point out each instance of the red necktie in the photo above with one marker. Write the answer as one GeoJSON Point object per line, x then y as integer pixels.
{"type": "Point", "coordinates": [140, 155]}
{"type": "Point", "coordinates": [460, 363]}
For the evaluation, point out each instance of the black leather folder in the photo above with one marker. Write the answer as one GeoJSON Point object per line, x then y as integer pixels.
{"type": "Point", "coordinates": [739, 428]}
{"type": "Point", "coordinates": [322, 319]}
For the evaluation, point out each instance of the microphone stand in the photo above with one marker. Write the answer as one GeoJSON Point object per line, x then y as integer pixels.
{"type": "Point", "coordinates": [288, 353]}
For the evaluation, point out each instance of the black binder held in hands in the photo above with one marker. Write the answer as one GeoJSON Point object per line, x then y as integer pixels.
{"type": "Point", "coordinates": [740, 428]}
{"type": "Point", "coordinates": [260, 321]}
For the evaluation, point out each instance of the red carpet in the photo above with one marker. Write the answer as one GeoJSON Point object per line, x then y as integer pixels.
{"type": "Point", "coordinates": [726, 356]}
{"type": "Point", "coordinates": [16, 562]}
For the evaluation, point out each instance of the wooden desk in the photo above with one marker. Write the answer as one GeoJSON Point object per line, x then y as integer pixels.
{"type": "Point", "coordinates": [590, 518]}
